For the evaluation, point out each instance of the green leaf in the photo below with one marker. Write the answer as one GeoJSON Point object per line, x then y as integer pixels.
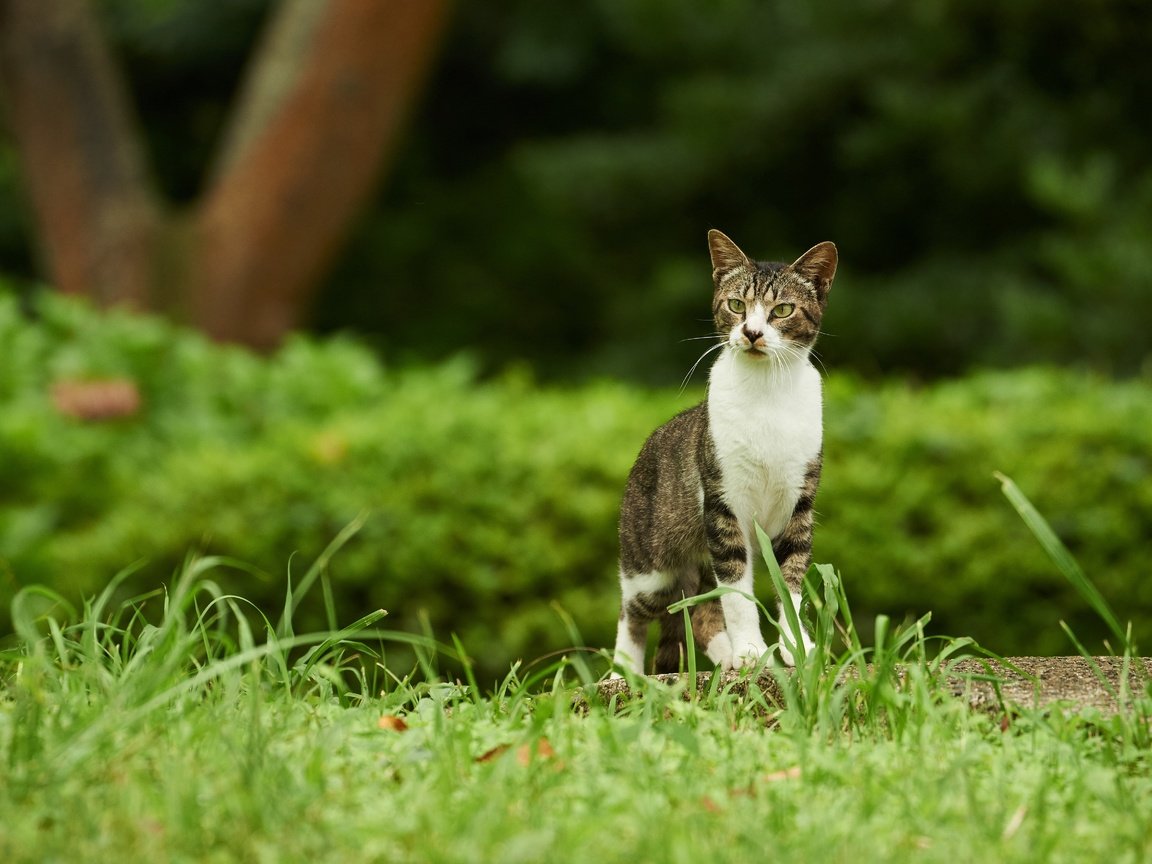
{"type": "Point", "coordinates": [1061, 557]}
{"type": "Point", "coordinates": [791, 640]}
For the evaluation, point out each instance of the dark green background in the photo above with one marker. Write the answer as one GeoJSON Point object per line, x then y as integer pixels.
{"type": "Point", "coordinates": [982, 166]}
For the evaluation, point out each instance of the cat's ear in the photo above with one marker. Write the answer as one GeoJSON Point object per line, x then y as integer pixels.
{"type": "Point", "coordinates": [726, 255]}
{"type": "Point", "coordinates": [818, 266]}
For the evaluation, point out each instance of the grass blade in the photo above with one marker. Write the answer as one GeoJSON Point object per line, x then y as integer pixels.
{"type": "Point", "coordinates": [793, 641]}
{"type": "Point", "coordinates": [318, 567]}
{"type": "Point", "coordinates": [1062, 558]}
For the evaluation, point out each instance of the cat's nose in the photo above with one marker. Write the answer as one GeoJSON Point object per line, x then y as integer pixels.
{"type": "Point", "coordinates": [752, 335]}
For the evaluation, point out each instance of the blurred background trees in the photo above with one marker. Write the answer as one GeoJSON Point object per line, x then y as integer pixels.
{"type": "Point", "coordinates": [316, 115]}
{"type": "Point", "coordinates": [982, 166]}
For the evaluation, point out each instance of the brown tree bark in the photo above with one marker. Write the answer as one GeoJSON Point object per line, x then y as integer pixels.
{"type": "Point", "coordinates": [82, 162]}
{"type": "Point", "coordinates": [332, 86]}
{"type": "Point", "coordinates": [326, 96]}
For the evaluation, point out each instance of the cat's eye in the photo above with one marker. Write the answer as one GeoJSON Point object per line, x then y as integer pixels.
{"type": "Point", "coordinates": [783, 310]}
{"type": "Point", "coordinates": [736, 305]}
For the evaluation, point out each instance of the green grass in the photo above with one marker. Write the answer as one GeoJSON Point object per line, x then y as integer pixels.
{"type": "Point", "coordinates": [186, 726]}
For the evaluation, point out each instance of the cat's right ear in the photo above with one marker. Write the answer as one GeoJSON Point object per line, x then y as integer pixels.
{"type": "Point", "coordinates": [818, 265]}
{"type": "Point", "coordinates": [726, 255]}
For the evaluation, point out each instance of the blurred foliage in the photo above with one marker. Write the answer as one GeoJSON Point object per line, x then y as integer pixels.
{"type": "Point", "coordinates": [490, 499]}
{"type": "Point", "coordinates": [981, 165]}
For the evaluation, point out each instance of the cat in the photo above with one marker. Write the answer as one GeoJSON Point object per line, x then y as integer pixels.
{"type": "Point", "coordinates": [753, 449]}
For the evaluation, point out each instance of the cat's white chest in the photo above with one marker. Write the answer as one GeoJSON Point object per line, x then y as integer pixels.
{"type": "Point", "coordinates": [767, 427]}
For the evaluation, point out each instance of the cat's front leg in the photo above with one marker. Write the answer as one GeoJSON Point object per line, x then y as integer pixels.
{"type": "Point", "coordinates": [709, 629]}
{"type": "Point", "coordinates": [732, 564]}
{"type": "Point", "coordinates": [788, 638]}
{"type": "Point", "coordinates": [742, 618]}
{"type": "Point", "coordinates": [793, 551]}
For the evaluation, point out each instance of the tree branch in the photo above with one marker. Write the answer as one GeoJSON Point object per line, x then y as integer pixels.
{"type": "Point", "coordinates": [79, 149]}
{"type": "Point", "coordinates": [311, 139]}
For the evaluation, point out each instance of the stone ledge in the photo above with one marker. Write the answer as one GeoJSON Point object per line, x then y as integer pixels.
{"type": "Point", "coordinates": [1022, 682]}
{"type": "Point", "coordinates": [1042, 682]}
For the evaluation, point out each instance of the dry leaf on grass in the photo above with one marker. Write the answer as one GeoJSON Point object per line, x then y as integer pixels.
{"type": "Point", "coordinates": [787, 774]}
{"type": "Point", "coordinates": [489, 755]}
{"type": "Point", "coordinates": [543, 750]}
{"type": "Point", "coordinates": [525, 753]}
{"type": "Point", "coordinates": [392, 723]}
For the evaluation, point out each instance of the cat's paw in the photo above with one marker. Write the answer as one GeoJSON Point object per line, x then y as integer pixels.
{"type": "Point", "coordinates": [719, 650]}
{"type": "Point", "coordinates": [786, 656]}
{"type": "Point", "coordinates": [748, 656]}
{"type": "Point", "coordinates": [788, 638]}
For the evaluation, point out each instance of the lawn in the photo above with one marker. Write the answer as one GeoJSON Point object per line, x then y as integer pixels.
{"type": "Point", "coordinates": [183, 726]}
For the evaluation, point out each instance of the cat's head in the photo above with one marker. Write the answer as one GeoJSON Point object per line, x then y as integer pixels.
{"type": "Point", "coordinates": [769, 311]}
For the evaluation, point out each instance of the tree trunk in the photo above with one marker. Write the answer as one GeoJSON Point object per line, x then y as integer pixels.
{"type": "Point", "coordinates": [93, 204]}
{"type": "Point", "coordinates": [319, 115]}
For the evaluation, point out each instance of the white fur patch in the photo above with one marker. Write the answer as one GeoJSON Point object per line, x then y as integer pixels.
{"type": "Point", "coordinates": [742, 622]}
{"type": "Point", "coordinates": [788, 636]}
{"type": "Point", "coordinates": [719, 650]}
{"type": "Point", "coordinates": [756, 319]}
{"type": "Point", "coordinates": [645, 583]}
{"type": "Point", "coordinates": [766, 419]}
{"type": "Point", "coordinates": [629, 654]}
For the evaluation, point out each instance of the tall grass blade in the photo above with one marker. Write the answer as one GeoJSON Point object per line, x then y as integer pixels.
{"type": "Point", "coordinates": [1062, 558]}
{"type": "Point", "coordinates": [576, 658]}
{"type": "Point", "coordinates": [319, 566]}
{"type": "Point", "coordinates": [792, 640]}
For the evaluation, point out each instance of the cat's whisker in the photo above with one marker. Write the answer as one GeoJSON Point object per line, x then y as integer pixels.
{"type": "Point", "coordinates": [819, 361]}
{"type": "Point", "coordinates": [785, 354]}
{"type": "Point", "coordinates": [688, 377]}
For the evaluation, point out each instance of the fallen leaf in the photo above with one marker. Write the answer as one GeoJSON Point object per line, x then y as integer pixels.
{"type": "Point", "coordinates": [787, 774]}
{"type": "Point", "coordinates": [392, 723]}
{"type": "Point", "coordinates": [489, 755]}
{"type": "Point", "coordinates": [105, 399]}
{"type": "Point", "coordinates": [525, 753]}
{"type": "Point", "coordinates": [543, 751]}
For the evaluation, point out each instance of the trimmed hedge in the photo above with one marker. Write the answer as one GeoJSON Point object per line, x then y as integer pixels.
{"type": "Point", "coordinates": [915, 520]}
{"type": "Point", "coordinates": [488, 500]}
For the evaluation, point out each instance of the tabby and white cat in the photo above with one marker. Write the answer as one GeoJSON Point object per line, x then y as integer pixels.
{"type": "Point", "coordinates": [752, 450]}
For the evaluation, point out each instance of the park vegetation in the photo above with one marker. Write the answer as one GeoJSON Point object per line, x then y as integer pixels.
{"type": "Point", "coordinates": [483, 502]}
{"type": "Point", "coordinates": [345, 598]}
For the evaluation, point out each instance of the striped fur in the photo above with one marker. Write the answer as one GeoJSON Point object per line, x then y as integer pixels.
{"type": "Point", "coordinates": [750, 453]}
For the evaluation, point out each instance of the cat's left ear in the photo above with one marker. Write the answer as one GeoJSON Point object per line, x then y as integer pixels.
{"type": "Point", "coordinates": [726, 255]}
{"type": "Point", "coordinates": [818, 266]}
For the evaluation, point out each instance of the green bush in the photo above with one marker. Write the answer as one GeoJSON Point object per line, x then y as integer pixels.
{"type": "Point", "coordinates": [913, 517]}
{"type": "Point", "coordinates": [488, 500]}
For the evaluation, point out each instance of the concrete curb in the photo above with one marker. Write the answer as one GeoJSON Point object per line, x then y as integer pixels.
{"type": "Point", "coordinates": [1067, 683]}
{"type": "Point", "coordinates": [1046, 682]}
